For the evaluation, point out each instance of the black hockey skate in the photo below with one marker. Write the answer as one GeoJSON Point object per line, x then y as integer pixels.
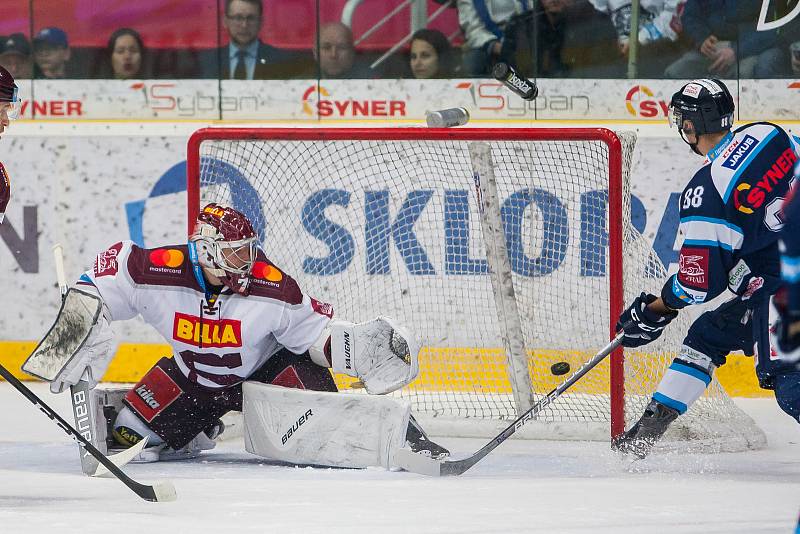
{"type": "Point", "coordinates": [421, 443]}
{"type": "Point", "coordinates": [639, 440]}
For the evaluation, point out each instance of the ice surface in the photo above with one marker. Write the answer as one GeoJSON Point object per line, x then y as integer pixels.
{"type": "Point", "coordinates": [523, 486]}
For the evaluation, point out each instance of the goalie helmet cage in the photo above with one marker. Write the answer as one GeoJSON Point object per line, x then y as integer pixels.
{"type": "Point", "coordinates": [387, 221]}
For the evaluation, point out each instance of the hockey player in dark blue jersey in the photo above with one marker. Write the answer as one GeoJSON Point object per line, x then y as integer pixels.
{"type": "Point", "coordinates": [730, 216]}
{"type": "Point", "coordinates": [787, 302]}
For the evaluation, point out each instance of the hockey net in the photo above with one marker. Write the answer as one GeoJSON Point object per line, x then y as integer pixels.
{"type": "Point", "coordinates": [387, 222]}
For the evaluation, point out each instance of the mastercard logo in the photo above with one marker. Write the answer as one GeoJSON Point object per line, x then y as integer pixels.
{"type": "Point", "coordinates": [265, 271]}
{"type": "Point", "coordinates": [166, 257]}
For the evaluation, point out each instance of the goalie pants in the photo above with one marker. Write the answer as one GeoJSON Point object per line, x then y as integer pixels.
{"type": "Point", "coordinates": [177, 409]}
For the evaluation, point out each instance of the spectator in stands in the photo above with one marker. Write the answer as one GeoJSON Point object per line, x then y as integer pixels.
{"type": "Point", "coordinates": [659, 30]}
{"type": "Point", "coordinates": [794, 57]}
{"type": "Point", "coordinates": [124, 56]}
{"type": "Point", "coordinates": [15, 56]}
{"type": "Point", "coordinates": [789, 44]}
{"type": "Point", "coordinates": [431, 55]}
{"type": "Point", "coordinates": [566, 38]}
{"type": "Point", "coordinates": [725, 42]}
{"type": "Point", "coordinates": [336, 56]}
{"type": "Point", "coordinates": [52, 54]}
{"type": "Point", "coordinates": [246, 57]}
{"type": "Point", "coordinates": [483, 23]}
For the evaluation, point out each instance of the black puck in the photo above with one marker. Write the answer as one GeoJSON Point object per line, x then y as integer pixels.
{"type": "Point", "coordinates": [559, 368]}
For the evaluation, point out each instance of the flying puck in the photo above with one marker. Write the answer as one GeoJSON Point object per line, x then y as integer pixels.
{"type": "Point", "coordinates": [559, 368]}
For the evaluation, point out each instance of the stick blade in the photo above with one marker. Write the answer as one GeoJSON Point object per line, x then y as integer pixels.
{"type": "Point", "coordinates": [121, 458]}
{"type": "Point", "coordinates": [164, 491]}
{"type": "Point", "coordinates": [417, 463]}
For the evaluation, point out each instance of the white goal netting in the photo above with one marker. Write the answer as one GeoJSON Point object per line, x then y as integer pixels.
{"type": "Point", "coordinates": [387, 223]}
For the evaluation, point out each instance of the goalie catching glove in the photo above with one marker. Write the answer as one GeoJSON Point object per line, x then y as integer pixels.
{"type": "Point", "coordinates": [641, 325]}
{"type": "Point", "coordinates": [77, 345]}
{"type": "Point", "coordinates": [380, 353]}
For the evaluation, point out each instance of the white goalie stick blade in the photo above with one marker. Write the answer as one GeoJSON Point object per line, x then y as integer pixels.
{"type": "Point", "coordinates": [121, 458]}
{"type": "Point", "coordinates": [416, 463]}
{"type": "Point", "coordinates": [164, 491]}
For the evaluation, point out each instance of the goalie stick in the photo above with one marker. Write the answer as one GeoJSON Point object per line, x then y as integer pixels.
{"type": "Point", "coordinates": [416, 463]}
{"type": "Point", "coordinates": [158, 492]}
{"type": "Point", "coordinates": [79, 393]}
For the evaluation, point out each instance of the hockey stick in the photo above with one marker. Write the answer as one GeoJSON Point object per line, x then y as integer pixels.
{"type": "Point", "coordinates": [416, 463]}
{"type": "Point", "coordinates": [158, 492]}
{"type": "Point", "coordinates": [81, 407]}
{"type": "Point", "coordinates": [79, 393]}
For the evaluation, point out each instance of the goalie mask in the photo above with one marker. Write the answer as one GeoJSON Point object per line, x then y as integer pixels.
{"type": "Point", "coordinates": [706, 104]}
{"type": "Point", "coordinates": [9, 93]}
{"type": "Point", "coordinates": [226, 246]}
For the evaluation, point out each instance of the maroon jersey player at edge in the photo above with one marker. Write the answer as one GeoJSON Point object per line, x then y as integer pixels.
{"type": "Point", "coordinates": [9, 110]}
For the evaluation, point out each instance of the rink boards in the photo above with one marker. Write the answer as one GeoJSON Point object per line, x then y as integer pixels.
{"type": "Point", "coordinates": [132, 361]}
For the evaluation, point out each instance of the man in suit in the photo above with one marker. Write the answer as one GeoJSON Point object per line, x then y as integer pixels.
{"type": "Point", "coordinates": [336, 55]}
{"type": "Point", "coordinates": [245, 57]}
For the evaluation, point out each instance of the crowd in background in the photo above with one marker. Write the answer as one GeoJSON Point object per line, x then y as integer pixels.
{"type": "Point", "coordinates": [543, 38]}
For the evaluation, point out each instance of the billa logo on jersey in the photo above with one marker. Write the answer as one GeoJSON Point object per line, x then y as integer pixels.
{"type": "Point", "coordinates": [264, 272]}
{"type": "Point", "coordinates": [325, 107]}
{"type": "Point", "coordinates": [749, 197]}
{"type": "Point", "coordinates": [106, 262]}
{"type": "Point", "coordinates": [693, 266]}
{"type": "Point", "coordinates": [208, 332]}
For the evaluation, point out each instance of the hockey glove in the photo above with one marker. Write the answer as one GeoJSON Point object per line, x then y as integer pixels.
{"type": "Point", "coordinates": [642, 325]}
{"type": "Point", "coordinates": [381, 353]}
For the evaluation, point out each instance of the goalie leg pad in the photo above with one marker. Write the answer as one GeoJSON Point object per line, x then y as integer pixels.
{"type": "Point", "coordinates": [321, 428]}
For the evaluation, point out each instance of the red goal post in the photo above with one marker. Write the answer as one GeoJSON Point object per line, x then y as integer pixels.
{"type": "Point", "coordinates": [228, 137]}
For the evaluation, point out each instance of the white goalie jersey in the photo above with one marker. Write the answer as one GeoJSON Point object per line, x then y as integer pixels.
{"type": "Point", "coordinates": [218, 342]}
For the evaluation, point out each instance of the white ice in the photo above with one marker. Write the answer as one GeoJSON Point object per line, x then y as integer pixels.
{"type": "Point", "coordinates": [524, 486]}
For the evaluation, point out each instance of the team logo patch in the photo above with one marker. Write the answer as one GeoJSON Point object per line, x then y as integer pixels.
{"type": "Point", "coordinates": [106, 262]}
{"type": "Point", "coordinates": [322, 308]}
{"type": "Point", "coordinates": [153, 394]}
{"type": "Point", "coordinates": [754, 285]}
{"type": "Point", "coordinates": [208, 333]}
{"type": "Point", "coordinates": [740, 153]}
{"type": "Point", "coordinates": [166, 257]}
{"type": "Point", "coordinates": [693, 270]}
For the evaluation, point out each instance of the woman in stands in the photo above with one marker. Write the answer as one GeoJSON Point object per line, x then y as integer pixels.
{"type": "Point", "coordinates": [431, 55]}
{"type": "Point", "coordinates": [124, 56]}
